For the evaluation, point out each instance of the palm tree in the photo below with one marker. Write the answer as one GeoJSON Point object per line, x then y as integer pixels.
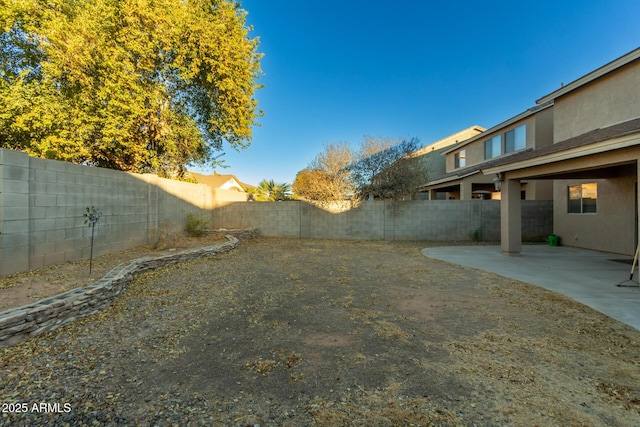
{"type": "Point", "coordinates": [271, 191]}
{"type": "Point", "coordinates": [280, 191]}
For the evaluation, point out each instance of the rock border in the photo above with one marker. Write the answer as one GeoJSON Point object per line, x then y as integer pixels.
{"type": "Point", "coordinates": [20, 324]}
{"type": "Point", "coordinates": [240, 233]}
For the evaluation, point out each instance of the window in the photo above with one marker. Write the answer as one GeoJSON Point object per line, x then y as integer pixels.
{"type": "Point", "coordinates": [583, 198]}
{"type": "Point", "coordinates": [515, 139]}
{"type": "Point", "coordinates": [492, 147]}
{"type": "Point", "coordinates": [460, 159]}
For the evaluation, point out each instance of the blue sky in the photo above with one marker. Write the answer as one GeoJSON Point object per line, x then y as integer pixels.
{"type": "Point", "coordinates": [336, 70]}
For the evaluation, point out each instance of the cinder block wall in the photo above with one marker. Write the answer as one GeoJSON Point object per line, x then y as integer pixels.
{"type": "Point", "coordinates": [439, 220]}
{"type": "Point", "coordinates": [58, 196]}
{"type": "Point", "coordinates": [14, 212]}
{"type": "Point", "coordinates": [42, 206]}
{"type": "Point", "coordinates": [42, 203]}
{"type": "Point", "coordinates": [280, 219]}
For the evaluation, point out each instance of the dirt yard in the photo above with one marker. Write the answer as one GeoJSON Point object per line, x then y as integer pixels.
{"type": "Point", "coordinates": [310, 332]}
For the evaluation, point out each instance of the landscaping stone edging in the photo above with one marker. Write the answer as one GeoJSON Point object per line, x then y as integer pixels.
{"type": "Point", "coordinates": [240, 233]}
{"type": "Point", "coordinates": [22, 323]}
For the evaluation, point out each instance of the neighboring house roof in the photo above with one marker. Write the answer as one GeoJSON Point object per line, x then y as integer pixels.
{"type": "Point", "coordinates": [577, 146]}
{"type": "Point", "coordinates": [223, 182]}
{"type": "Point", "coordinates": [594, 75]}
{"type": "Point", "coordinates": [463, 135]}
{"type": "Point", "coordinates": [431, 155]}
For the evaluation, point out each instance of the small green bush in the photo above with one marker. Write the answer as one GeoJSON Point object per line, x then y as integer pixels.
{"type": "Point", "coordinates": [195, 226]}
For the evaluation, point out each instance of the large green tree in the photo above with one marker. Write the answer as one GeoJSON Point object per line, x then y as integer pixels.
{"type": "Point", "coordinates": [135, 85]}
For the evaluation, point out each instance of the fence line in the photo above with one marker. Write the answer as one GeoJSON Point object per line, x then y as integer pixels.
{"type": "Point", "coordinates": [42, 203]}
{"type": "Point", "coordinates": [438, 220]}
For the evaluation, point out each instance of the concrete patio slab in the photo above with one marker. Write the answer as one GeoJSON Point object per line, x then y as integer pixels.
{"type": "Point", "coordinates": [589, 277]}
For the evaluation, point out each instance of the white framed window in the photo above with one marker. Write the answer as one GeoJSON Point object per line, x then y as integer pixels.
{"type": "Point", "coordinates": [492, 147]}
{"type": "Point", "coordinates": [460, 159]}
{"type": "Point", "coordinates": [583, 198]}
{"type": "Point", "coordinates": [515, 139]}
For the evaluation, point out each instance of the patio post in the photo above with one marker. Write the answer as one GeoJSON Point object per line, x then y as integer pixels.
{"type": "Point", "coordinates": [465, 190]}
{"type": "Point", "coordinates": [510, 218]}
{"type": "Point", "coordinates": [637, 202]}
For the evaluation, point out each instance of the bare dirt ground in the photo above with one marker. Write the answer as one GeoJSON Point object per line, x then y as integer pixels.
{"type": "Point", "coordinates": [313, 332]}
{"type": "Point", "coordinates": [21, 289]}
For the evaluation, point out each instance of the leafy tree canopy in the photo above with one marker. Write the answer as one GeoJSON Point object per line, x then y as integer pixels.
{"type": "Point", "coordinates": [386, 168]}
{"type": "Point", "coordinates": [380, 167]}
{"type": "Point", "coordinates": [327, 179]}
{"type": "Point", "coordinates": [135, 85]}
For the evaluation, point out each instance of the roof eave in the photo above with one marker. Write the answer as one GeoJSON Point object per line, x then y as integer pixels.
{"type": "Point", "coordinates": [586, 150]}
{"type": "Point", "coordinates": [506, 123]}
{"type": "Point", "coordinates": [596, 74]}
{"type": "Point", "coordinates": [449, 179]}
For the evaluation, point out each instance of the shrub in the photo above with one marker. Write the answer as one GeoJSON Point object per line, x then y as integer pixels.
{"type": "Point", "coordinates": [195, 226]}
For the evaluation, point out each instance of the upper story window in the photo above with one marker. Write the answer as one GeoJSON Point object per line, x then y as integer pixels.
{"type": "Point", "coordinates": [460, 159]}
{"type": "Point", "coordinates": [515, 139]}
{"type": "Point", "coordinates": [583, 198]}
{"type": "Point", "coordinates": [492, 147]}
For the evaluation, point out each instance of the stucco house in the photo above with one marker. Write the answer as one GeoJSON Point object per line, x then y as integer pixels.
{"type": "Point", "coordinates": [431, 157]}
{"type": "Point", "coordinates": [462, 178]}
{"type": "Point", "coordinates": [220, 182]}
{"type": "Point", "coordinates": [593, 162]}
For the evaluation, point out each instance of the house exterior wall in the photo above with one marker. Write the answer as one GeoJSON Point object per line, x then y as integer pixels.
{"type": "Point", "coordinates": [544, 122]}
{"type": "Point", "coordinates": [611, 228]}
{"type": "Point", "coordinates": [611, 99]}
{"type": "Point", "coordinates": [539, 134]}
{"type": "Point", "coordinates": [232, 184]}
{"type": "Point", "coordinates": [538, 190]}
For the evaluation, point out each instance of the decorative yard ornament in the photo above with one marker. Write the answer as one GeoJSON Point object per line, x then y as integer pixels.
{"type": "Point", "coordinates": [92, 218]}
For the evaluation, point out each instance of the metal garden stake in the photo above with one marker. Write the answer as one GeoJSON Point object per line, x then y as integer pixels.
{"type": "Point", "coordinates": [93, 216]}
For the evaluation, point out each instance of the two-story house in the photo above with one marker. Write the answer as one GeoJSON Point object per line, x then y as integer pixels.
{"type": "Point", "coordinates": [593, 162]}
{"type": "Point", "coordinates": [431, 157]}
{"type": "Point", "coordinates": [463, 178]}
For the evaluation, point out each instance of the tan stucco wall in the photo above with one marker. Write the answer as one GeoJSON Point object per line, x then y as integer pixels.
{"type": "Point", "coordinates": [544, 128]}
{"type": "Point", "coordinates": [539, 134]}
{"type": "Point", "coordinates": [611, 229]}
{"type": "Point", "coordinates": [609, 100]}
{"type": "Point", "coordinates": [538, 189]}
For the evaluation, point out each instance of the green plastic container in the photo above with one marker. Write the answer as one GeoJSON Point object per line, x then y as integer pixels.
{"type": "Point", "coordinates": [553, 240]}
